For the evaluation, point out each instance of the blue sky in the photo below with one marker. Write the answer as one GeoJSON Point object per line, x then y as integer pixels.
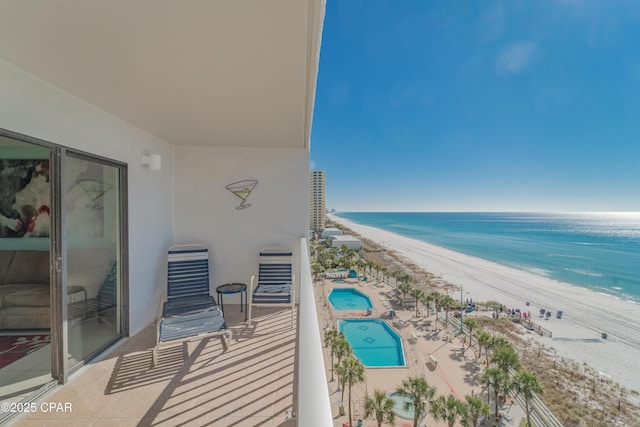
{"type": "Point", "coordinates": [479, 105]}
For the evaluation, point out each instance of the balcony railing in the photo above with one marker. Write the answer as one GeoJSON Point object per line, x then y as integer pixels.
{"type": "Point", "coordinates": [314, 407]}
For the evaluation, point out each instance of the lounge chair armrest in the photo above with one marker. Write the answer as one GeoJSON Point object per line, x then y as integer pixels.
{"type": "Point", "coordinates": [161, 304]}
{"type": "Point", "coordinates": [253, 280]}
{"type": "Point", "coordinates": [159, 316]}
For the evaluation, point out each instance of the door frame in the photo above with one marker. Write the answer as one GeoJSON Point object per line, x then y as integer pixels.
{"type": "Point", "coordinates": [123, 266]}
{"type": "Point", "coordinates": [60, 370]}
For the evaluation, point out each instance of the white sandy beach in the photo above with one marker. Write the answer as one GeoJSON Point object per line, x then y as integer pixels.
{"type": "Point", "coordinates": [587, 314]}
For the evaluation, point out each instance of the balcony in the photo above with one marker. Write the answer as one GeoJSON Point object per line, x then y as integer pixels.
{"type": "Point", "coordinates": [272, 375]}
{"type": "Point", "coordinates": [242, 109]}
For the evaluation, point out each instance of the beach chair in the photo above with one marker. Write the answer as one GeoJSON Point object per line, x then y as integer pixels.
{"type": "Point", "coordinates": [190, 311]}
{"type": "Point", "coordinates": [103, 306]}
{"type": "Point", "coordinates": [274, 286]}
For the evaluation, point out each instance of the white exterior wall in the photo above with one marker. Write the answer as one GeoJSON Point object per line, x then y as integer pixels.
{"type": "Point", "coordinates": [36, 108]}
{"type": "Point", "coordinates": [351, 244]}
{"type": "Point", "coordinates": [205, 211]}
{"type": "Point", "coordinates": [331, 232]}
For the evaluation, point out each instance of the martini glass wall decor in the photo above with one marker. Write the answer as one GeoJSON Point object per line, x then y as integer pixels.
{"type": "Point", "coordinates": [94, 189]}
{"type": "Point", "coordinates": [242, 189]}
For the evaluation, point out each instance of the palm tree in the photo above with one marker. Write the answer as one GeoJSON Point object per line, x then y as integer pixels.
{"type": "Point", "coordinates": [497, 380]}
{"type": "Point", "coordinates": [350, 371]}
{"type": "Point", "coordinates": [493, 344]}
{"type": "Point", "coordinates": [405, 278]}
{"type": "Point", "coordinates": [476, 408]}
{"type": "Point", "coordinates": [526, 384]}
{"type": "Point", "coordinates": [395, 274]}
{"type": "Point", "coordinates": [316, 268]}
{"type": "Point", "coordinates": [327, 259]}
{"type": "Point", "coordinates": [447, 302]}
{"type": "Point", "coordinates": [330, 336]}
{"type": "Point", "coordinates": [370, 266]}
{"type": "Point", "coordinates": [427, 299]}
{"type": "Point", "coordinates": [380, 406]}
{"type": "Point", "coordinates": [471, 323]}
{"type": "Point", "coordinates": [420, 393]}
{"type": "Point", "coordinates": [376, 267]}
{"type": "Point", "coordinates": [497, 342]}
{"type": "Point", "coordinates": [405, 288]}
{"type": "Point", "coordinates": [484, 340]}
{"type": "Point", "coordinates": [342, 349]}
{"type": "Point", "coordinates": [449, 409]}
{"type": "Point", "coordinates": [506, 358]}
{"type": "Point", "coordinates": [384, 271]}
{"type": "Point", "coordinates": [436, 297]}
{"type": "Point", "coordinates": [346, 257]}
{"type": "Point", "coordinates": [417, 295]}
{"type": "Point", "coordinates": [342, 382]}
{"type": "Point", "coordinates": [362, 267]}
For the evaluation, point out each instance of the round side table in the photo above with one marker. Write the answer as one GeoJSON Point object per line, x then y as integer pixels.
{"type": "Point", "coordinates": [233, 288]}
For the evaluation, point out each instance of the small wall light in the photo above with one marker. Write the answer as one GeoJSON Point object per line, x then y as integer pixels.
{"type": "Point", "coordinates": [152, 161]}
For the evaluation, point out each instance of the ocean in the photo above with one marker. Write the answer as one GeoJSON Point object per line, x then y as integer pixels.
{"type": "Point", "coordinates": [599, 251]}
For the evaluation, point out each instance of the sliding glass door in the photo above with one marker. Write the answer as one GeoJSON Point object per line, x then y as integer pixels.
{"type": "Point", "coordinates": [25, 290]}
{"type": "Point", "coordinates": [63, 266]}
{"type": "Point", "coordinates": [92, 206]}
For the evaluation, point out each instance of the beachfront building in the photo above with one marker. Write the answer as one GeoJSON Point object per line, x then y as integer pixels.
{"type": "Point", "coordinates": [351, 242]}
{"type": "Point", "coordinates": [125, 128]}
{"type": "Point", "coordinates": [326, 232]}
{"type": "Point", "coordinates": [316, 200]}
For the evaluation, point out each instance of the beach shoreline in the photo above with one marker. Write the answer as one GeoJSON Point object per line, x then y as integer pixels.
{"type": "Point", "coordinates": [587, 315]}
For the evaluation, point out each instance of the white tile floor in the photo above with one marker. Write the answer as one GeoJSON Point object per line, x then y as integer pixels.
{"type": "Point", "coordinates": [196, 383]}
{"type": "Point", "coordinates": [20, 378]}
{"type": "Point", "coordinates": [24, 375]}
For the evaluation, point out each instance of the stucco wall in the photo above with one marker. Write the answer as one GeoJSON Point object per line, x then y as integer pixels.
{"type": "Point", "coordinates": [186, 201]}
{"type": "Point", "coordinates": [33, 107]}
{"type": "Point", "coordinates": [205, 211]}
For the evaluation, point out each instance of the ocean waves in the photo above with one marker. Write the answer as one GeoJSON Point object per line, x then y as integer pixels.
{"type": "Point", "coordinates": [596, 251]}
{"type": "Point", "coordinates": [584, 272]}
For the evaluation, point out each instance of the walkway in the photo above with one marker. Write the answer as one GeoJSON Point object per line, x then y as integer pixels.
{"type": "Point", "coordinates": [456, 373]}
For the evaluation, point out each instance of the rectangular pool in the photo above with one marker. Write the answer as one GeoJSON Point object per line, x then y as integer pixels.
{"type": "Point", "coordinates": [374, 342]}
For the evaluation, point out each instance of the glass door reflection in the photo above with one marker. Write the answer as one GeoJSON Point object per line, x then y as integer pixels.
{"type": "Point", "coordinates": [25, 291]}
{"type": "Point", "coordinates": [93, 240]}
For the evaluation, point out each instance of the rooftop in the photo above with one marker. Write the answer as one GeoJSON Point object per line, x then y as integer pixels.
{"type": "Point", "coordinates": [344, 238]}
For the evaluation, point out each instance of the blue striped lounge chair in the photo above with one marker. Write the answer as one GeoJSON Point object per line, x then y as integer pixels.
{"type": "Point", "coordinates": [190, 311]}
{"type": "Point", "coordinates": [274, 286]}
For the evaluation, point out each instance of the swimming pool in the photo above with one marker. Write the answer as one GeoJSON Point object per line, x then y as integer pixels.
{"type": "Point", "coordinates": [349, 299]}
{"type": "Point", "coordinates": [373, 342]}
{"type": "Point", "coordinates": [398, 406]}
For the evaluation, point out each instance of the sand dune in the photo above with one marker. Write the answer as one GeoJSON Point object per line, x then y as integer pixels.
{"type": "Point", "coordinates": [586, 314]}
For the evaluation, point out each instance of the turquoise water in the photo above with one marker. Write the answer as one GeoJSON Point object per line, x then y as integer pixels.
{"type": "Point", "coordinates": [373, 342]}
{"type": "Point", "coordinates": [600, 251]}
{"type": "Point", "coordinates": [349, 299]}
{"type": "Point", "coordinates": [398, 406]}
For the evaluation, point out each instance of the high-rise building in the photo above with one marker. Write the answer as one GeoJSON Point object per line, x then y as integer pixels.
{"type": "Point", "coordinates": [316, 200]}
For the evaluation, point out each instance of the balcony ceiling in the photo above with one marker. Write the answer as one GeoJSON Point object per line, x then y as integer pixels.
{"type": "Point", "coordinates": [229, 73]}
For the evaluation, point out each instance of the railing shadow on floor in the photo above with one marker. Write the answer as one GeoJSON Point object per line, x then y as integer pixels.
{"type": "Point", "coordinates": [134, 370]}
{"type": "Point", "coordinates": [204, 384]}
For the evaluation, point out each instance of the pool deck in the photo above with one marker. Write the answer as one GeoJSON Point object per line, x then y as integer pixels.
{"type": "Point", "coordinates": [455, 373]}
